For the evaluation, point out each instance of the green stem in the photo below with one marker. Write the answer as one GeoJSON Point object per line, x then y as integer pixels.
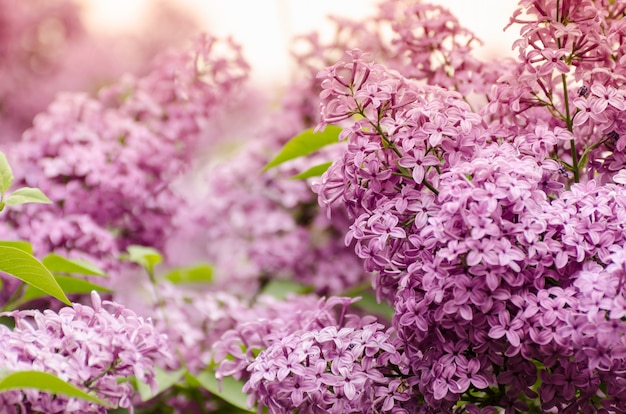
{"type": "Point", "coordinates": [570, 128]}
{"type": "Point", "coordinates": [14, 301]}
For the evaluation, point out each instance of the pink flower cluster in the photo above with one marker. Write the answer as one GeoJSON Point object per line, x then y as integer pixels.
{"type": "Point", "coordinates": [347, 369]}
{"type": "Point", "coordinates": [93, 347]}
{"type": "Point", "coordinates": [46, 48]}
{"type": "Point", "coordinates": [497, 235]}
{"type": "Point", "coordinates": [315, 355]}
{"type": "Point", "coordinates": [110, 162]}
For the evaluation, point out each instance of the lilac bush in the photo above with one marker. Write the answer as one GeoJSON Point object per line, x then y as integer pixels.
{"type": "Point", "coordinates": [484, 226]}
{"type": "Point", "coordinates": [484, 201]}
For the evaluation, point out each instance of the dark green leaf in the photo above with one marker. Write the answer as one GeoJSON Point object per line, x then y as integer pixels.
{"type": "Point", "coordinates": [44, 381]}
{"type": "Point", "coordinates": [21, 245]}
{"type": "Point", "coordinates": [60, 264]}
{"type": "Point", "coordinates": [314, 171]}
{"type": "Point", "coordinates": [230, 390]}
{"type": "Point", "coordinates": [196, 274]}
{"type": "Point", "coordinates": [305, 143]}
{"type": "Point", "coordinates": [31, 271]}
{"type": "Point", "coordinates": [27, 195]}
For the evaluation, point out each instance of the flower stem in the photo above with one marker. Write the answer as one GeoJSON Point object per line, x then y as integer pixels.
{"type": "Point", "coordinates": [570, 128]}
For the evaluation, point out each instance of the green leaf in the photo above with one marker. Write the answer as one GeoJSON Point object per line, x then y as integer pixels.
{"type": "Point", "coordinates": [147, 257]}
{"type": "Point", "coordinates": [6, 174]}
{"type": "Point", "coordinates": [305, 143]}
{"type": "Point", "coordinates": [164, 379]}
{"type": "Point", "coordinates": [196, 274]}
{"type": "Point", "coordinates": [230, 390]}
{"type": "Point", "coordinates": [60, 264]}
{"type": "Point", "coordinates": [44, 381]}
{"type": "Point", "coordinates": [315, 171]}
{"type": "Point", "coordinates": [18, 244]}
{"type": "Point", "coordinates": [27, 195]}
{"type": "Point", "coordinates": [280, 288]}
{"type": "Point", "coordinates": [31, 271]}
{"type": "Point", "coordinates": [370, 305]}
{"type": "Point", "coordinates": [70, 285]}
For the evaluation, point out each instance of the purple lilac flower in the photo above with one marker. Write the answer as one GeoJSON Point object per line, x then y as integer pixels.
{"type": "Point", "coordinates": [476, 231]}
{"type": "Point", "coordinates": [93, 347]}
{"type": "Point", "coordinates": [115, 158]}
{"type": "Point", "coordinates": [255, 225]}
{"type": "Point", "coordinates": [330, 370]}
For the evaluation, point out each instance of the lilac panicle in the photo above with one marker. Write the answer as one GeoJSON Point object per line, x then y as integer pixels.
{"type": "Point", "coordinates": [114, 158]}
{"type": "Point", "coordinates": [92, 347]}
{"type": "Point", "coordinates": [496, 234]}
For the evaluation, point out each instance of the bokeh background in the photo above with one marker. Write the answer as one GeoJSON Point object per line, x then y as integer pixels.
{"type": "Point", "coordinates": [265, 27]}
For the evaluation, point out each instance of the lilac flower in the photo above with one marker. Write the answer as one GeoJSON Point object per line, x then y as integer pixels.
{"type": "Point", "coordinates": [329, 373]}
{"type": "Point", "coordinates": [515, 255]}
{"type": "Point", "coordinates": [114, 159]}
{"type": "Point", "coordinates": [93, 347]}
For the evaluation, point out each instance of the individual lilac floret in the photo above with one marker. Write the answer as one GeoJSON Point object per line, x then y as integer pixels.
{"type": "Point", "coordinates": [97, 348]}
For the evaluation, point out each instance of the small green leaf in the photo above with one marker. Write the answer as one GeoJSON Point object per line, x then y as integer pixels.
{"type": "Point", "coordinates": [46, 382]}
{"type": "Point", "coordinates": [31, 271]}
{"type": "Point", "coordinates": [196, 274]}
{"type": "Point", "coordinates": [70, 286]}
{"type": "Point", "coordinates": [6, 174]}
{"type": "Point", "coordinates": [60, 264]}
{"type": "Point", "coordinates": [305, 143]}
{"type": "Point", "coordinates": [370, 305]}
{"type": "Point", "coordinates": [315, 171]}
{"type": "Point", "coordinates": [280, 288]}
{"type": "Point", "coordinates": [27, 195]}
{"type": "Point", "coordinates": [147, 257]}
{"type": "Point", "coordinates": [164, 380]}
{"type": "Point", "coordinates": [229, 391]}
{"type": "Point", "coordinates": [18, 244]}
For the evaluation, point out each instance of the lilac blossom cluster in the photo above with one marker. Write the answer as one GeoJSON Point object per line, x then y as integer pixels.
{"type": "Point", "coordinates": [270, 321]}
{"type": "Point", "coordinates": [315, 355]}
{"type": "Point", "coordinates": [97, 348]}
{"type": "Point", "coordinates": [110, 163]}
{"type": "Point", "coordinates": [46, 48]}
{"type": "Point", "coordinates": [255, 226]}
{"type": "Point", "coordinates": [497, 235]}
{"type": "Point", "coordinates": [343, 369]}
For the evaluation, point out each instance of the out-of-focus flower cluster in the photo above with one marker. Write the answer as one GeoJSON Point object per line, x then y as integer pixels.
{"type": "Point", "coordinates": [93, 347]}
{"type": "Point", "coordinates": [109, 163]}
{"type": "Point", "coordinates": [262, 225]}
{"type": "Point", "coordinates": [45, 49]}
